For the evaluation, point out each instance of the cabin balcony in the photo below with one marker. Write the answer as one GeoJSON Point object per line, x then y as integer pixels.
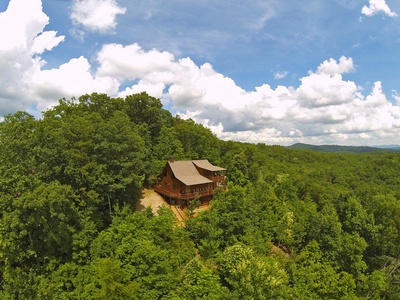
{"type": "Point", "coordinates": [217, 178]}
{"type": "Point", "coordinates": [182, 196]}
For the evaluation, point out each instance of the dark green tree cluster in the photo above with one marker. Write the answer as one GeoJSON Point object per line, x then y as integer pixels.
{"type": "Point", "coordinates": [329, 221]}
{"type": "Point", "coordinates": [292, 224]}
{"type": "Point", "coordinates": [62, 177]}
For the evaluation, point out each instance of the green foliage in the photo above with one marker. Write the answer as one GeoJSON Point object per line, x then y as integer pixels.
{"type": "Point", "coordinates": [40, 226]}
{"type": "Point", "coordinates": [193, 205]}
{"type": "Point", "coordinates": [146, 250]}
{"type": "Point", "coordinates": [144, 109]}
{"type": "Point", "coordinates": [292, 223]}
{"type": "Point", "coordinates": [314, 277]}
{"type": "Point", "coordinates": [197, 141]}
{"type": "Point", "coordinates": [111, 281]}
{"type": "Point", "coordinates": [249, 276]}
{"type": "Point", "coordinates": [232, 218]}
{"type": "Point", "coordinates": [199, 282]}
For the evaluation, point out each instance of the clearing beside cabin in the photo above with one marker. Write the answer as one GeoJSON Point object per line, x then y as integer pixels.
{"type": "Point", "coordinates": [154, 200]}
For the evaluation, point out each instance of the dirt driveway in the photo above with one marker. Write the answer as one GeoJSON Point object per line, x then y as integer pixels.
{"type": "Point", "coordinates": [154, 200]}
{"type": "Point", "coordinates": [150, 198]}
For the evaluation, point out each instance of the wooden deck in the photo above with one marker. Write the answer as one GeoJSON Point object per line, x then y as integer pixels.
{"type": "Point", "coordinates": [183, 196]}
{"type": "Point", "coordinates": [217, 178]}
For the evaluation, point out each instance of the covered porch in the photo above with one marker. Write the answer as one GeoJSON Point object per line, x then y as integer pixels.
{"type": "Point", "coordinates": [183, 198]}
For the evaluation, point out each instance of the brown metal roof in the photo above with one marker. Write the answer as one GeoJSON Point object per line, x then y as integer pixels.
{"type": "Point", "coordinates": [186, 172]}
{"type": "Point", "coordinates": [206, 165]}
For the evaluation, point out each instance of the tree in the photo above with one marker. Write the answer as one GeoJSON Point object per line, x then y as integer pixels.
{"type": "Point", "coordinates": [249, 276]}
{"type": "Point", "coordinates": [193, 205]}
{"type": "Point", "coordinates": [167, 144]}
{"type": "Point", "coordinates": [198, 141]}
{"type": "Point", "coordinates": [40, 228]}
{"type": "Point", "coordinates": [144, 109]}
{"type": "Point", "coordinates": [313, 277]}
{"type": "Point", "coordinates": [199, 282]}
{"type": "Point", "coordinates": [152, 251]}
{"type": "Point", "coordinates": [102, 158]}
{"type": "Point", "coordinates": [111, 281]}
{"type": "Point", "coordinates": [17, 160]}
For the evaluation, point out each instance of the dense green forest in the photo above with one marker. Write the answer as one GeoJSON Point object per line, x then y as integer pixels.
{"type": "Point", "coordinates": [292, 224]}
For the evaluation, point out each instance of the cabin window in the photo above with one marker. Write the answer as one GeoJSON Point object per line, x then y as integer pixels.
{"type": "Point", "coordinates": [165, 184]}
{"type": "Point", "coordinates": [174, 187]}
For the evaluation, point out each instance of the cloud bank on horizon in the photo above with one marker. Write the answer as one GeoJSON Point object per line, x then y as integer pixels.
{"type": "Point", "coordinates": [323, 108]}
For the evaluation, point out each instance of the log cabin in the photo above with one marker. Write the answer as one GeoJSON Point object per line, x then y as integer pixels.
{"type": "Point", "coordinates": [182, 181]}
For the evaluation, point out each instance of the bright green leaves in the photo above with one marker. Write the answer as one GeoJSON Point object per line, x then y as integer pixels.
{"type": "Point", "coordinates": [313, 277]}
{"type": "Point", "coordinates": [198, 142]}
{"type": "Point", "coordinates": [292, 223]}
{"type": "Point", "coordinates": [95, 147]}
{"type": "Point", "coordinates": [44, 230]}
{"type": "Point", "coordinates": [118, 154]}
{"type": "Point", "coordinates": [249, 276]}
{"type": "Point", "coordinates": [17, 163]}
{"type": "Point", "coordinates": [166, 144]}
{"type": "Point", "coordinates": [199, 282]}
{"type": "Point", "coordinates": [41, 226]}
{"type": "Point", "coordinates": [151, 251]}
{"type": "Point", "coordinates": [110, 281]}
{"type": "Point", "coordinates": [386, 210]}
{"type": "Point", "coordinates": [144, 109]}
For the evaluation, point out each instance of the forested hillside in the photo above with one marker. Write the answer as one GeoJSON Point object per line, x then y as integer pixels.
{"type": "Point", "coordinates": [292, 224]}
{"type": "Point", "coordinates": [346, 149]}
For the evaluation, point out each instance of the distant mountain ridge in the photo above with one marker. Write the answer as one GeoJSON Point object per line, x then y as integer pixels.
{"type": "Point", "coordinates": [389, 147]}
{"type": "Point", "coordinates": [338, 148]}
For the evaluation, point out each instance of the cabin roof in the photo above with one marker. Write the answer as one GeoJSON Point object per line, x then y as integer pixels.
{"type": "Point", "coordinates": [206, 165]}
{"type": "Point", "coordinates": [186, 172]}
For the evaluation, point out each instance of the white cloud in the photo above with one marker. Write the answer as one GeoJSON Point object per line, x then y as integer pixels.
{"type": "Point", "coordinates": [323, 108]}
{"type": "Point", "coordinates": [46, 41]}
{"type": "Point", "coordinates": [21, 23]}
{"type": "Point", "coordinates": [332, 67]}
{"type": "Point", "coordinates": [156, 90]}
{"type": "Point", "coordinates": [323, 90]}
{"type": "Point", "coordinates": [376, 6]}
{"type": "Point", "coordinates": [23, 83]}
{"type": "Point", "coordinates": [268, 12]}
{"type": "Point", "coordinates": [280, 74]}
{"type": "Point", "coordinates": [70, 79]}
{"type": "Point", "coordinates": [96, 15]}
{"type": "Point", "coordinates": [17, 46]}
{"type": "Point", "coordinates": [132, 62]}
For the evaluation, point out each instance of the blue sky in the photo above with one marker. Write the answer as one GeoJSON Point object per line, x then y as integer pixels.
{"type": "Point", "coordinates": [268, 71]}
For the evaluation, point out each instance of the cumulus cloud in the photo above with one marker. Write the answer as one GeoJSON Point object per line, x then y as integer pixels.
{"type": "Point", "coordinates": [332, 66]}
{"type": "Point", "coordinates": [18, 46]}
{"type": "Point", "coordinates": [23, 82]}
{"type": "Point", "coordinates": [26, 20]}
{"type": "Point", "coordinates": [377, 6]}
{"type": "Point", "coordinates": [132, 62]}
{"type": "Point", "coordinates": [96, 15]}
{"type": "Point", "coordinates": [323, 108]}
{"type": "Point", "coordinates": [46, 41]}
{"type": "Point", "coordinates": [325, 90]}
{"type": "Point", "coordinates": [70, 79]}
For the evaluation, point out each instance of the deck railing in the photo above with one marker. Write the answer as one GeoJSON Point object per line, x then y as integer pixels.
{"type": "Point", "coordinates": [182, 196]}
{"type": "Point", "coordinates": [217, 178]}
